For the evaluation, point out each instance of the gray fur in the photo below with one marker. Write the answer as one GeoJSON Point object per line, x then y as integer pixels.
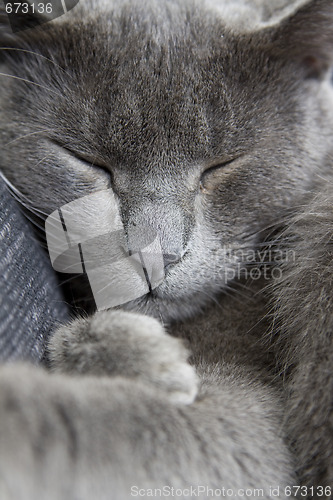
{"type": "Point", "coordinates": [303, 311]}
{"type": "Point", "coordinates": [156, 94]}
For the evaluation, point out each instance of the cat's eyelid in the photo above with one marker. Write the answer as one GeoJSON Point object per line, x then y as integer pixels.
{"type": "Point", "coordinates": [220, 164]}
{"type": "Point", "coordinates": [91, 160]}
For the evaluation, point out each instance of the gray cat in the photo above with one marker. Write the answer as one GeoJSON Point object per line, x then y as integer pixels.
{"type": "Point", "coordinates": [212, 123]}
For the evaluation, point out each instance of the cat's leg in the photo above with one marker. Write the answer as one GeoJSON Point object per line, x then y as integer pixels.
{"type": "Point", "coordinates": [84, 437]}
{"type": "Point", "coordinates": [118, 343]}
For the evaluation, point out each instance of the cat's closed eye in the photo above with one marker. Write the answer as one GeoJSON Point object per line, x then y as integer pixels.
{"type": "Point", "coordinates": [214, 174]}
{"type": "Point", "coordinates": [83, 162]}
{"type": "Point", "coordinates": [89, 159]}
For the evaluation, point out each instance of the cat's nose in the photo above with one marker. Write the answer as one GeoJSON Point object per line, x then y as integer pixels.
{"type": "Point", "coordinates": [171, 258]}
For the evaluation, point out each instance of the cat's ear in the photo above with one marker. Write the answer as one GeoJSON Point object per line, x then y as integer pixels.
{"type": "Point", "coordinates": [306, 36]}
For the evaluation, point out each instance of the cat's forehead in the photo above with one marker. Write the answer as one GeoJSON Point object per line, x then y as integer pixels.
{"type": "Point", "coordinates": [143, 80]}
{"type": "Point", "coordinates": [139, 77]}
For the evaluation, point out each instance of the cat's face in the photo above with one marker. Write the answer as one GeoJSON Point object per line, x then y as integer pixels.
{"type": "Point", "coordinates": [206, 135]}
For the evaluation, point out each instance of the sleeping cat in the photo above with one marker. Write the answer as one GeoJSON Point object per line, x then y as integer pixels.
{"type": "Point", "coordinates": [211, 121]}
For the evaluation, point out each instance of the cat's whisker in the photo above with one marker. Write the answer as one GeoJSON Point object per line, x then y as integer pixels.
{"type": "Point", "coordinates": [28, 135]}
{"type": "Point", "coordinates": [273, 226]}
{"type": "Point", "coordinates": [70, 313]}
{"type": "Point", "coordinates": [41, 228]}
{"type": "Point", "coordinates": [265, 316]}
{"type": "Point", "coordinates": [36, 54]}
{"type": "Point", "coordinates": [64, 145]}
{"type": "Point", "coordinates": [325, 179]}
{"type": "Point", "coordinates": [20, 195]}
{"type": "Point", "coordinates": [40, 243]}
{"type": "Point", "coordinates": [258, 263]}
{"type": "Point", "coordinates": [268, 243]}
{"type": "Point", "coordinates": [106, 287]}
{"type": "Point", "coordinates": [21, 202]}
{"type": "Point", "coordinates": [234, 291]}
{"type": "Point", "coordinates": [27, 207]}
{"type": "Point", "coordinates": [211, 298]}
{"type": "Point", "coordinates": [68, 280]}
{"type": "Point", "coordinates": [25, 80]}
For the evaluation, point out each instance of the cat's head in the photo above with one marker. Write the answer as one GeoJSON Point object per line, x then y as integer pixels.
{"type": "Point", "coordinates": [208, 128]}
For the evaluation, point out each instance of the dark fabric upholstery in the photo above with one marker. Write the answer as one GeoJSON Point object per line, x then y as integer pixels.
{"type": "Point", "coordinates": [31, 302]}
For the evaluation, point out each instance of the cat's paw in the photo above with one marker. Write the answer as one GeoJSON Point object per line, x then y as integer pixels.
{"type": "Point", "coordinates": [126, 344]}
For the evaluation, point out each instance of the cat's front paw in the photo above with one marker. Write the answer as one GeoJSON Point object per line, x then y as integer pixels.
{"type": "Point", "coordinates": [126, 344]}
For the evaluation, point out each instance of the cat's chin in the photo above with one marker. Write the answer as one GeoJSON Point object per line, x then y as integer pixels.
{"type": "Point", "coordinates": [167, 309]}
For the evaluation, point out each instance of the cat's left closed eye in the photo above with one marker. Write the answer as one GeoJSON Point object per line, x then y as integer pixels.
{"type": "Point", "coordinates": [90, 160]}
{"type": "Point", "coordinates": [216, 170]}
